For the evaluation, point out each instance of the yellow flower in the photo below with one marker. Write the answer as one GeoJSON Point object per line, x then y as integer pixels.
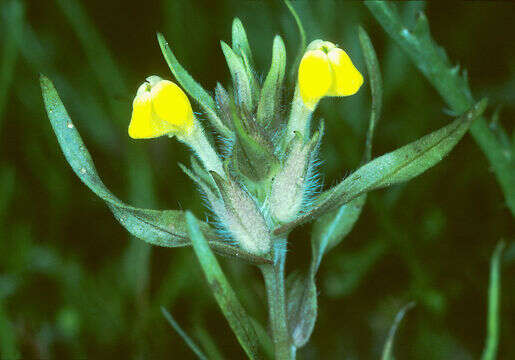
{"type": "Point", "coordinates": [160, 107]}
{"type": "Point", "coordinates": [326, 70]}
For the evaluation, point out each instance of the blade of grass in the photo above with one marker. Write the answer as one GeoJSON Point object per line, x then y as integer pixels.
{"type": "Point", "coordinates": [452, 85]}
{"type": "Point", "coordinates": [189, 341]}
{"type": "Point", "coordinates": [225, 296]}
{"type": "Point", "coordinates": [388, 348]}
{"type": "Point", "coordinates": [494, 294]}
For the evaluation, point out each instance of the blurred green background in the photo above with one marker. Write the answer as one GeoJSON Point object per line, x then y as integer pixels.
{"type": "Point", "coordinates": [73, 284]}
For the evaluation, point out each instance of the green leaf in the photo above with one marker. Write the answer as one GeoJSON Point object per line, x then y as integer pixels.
{"type": "Point", "coordinates": [162, 228]}
{"type": "Point", "coordinates": [301, 307]}
{"type": "Point", "coordinates": [193, 88]}
{"type": "Point", "coordinates": [452, 85]}
{"type": "Point", "coordinates": [270, 97]}
{"type": "Point", "coordinates": [494, 295]}
{"type": "Point", "coordinates": [240, 43]}
{"type": "Point", "coordinates": [225, 296]}
{"type": "Point", "coordinates": [189, 341]}
{"type": "Point", "coordinates": [388, 347]}
{"type": "Point", "coordinates": [240, 78]}
{"type": "Point", "coordinates": [398, 166]}
{"type": "Point", "coordinates": [376, 87]}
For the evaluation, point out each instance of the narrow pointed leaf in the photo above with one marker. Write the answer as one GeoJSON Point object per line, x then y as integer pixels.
{"type": "Point", "coordinates": [241, 46]}
{"type": "Point", "coordinates": [376, 87]}
{"type": "Point", "coordinates": [240, 42]}
{"type": "Point", "coordinates": [193, 88]}
{"type": "Point", "coordinates": [388, 348]}
{"type": "Point", "coordinates": [189, 341]}
{"type": "Point", "coordinates": [240, 78]}
{"type": "Point", "coordinates": [162, 228]}
{"type": "Point", "coordinates": [301, 307]}
{"type": "Point", "coordinates": [395, 167]}
{"type": "Point", "coordinates": [269, 101]}
{"type": "Point", "coordinates": [494, 295]}
{"type": "Point", "coordinates": [225, 296]}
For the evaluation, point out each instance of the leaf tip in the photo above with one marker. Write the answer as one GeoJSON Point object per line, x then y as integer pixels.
{"type": "Point", "coordinates": [480, 106]}
{"type": "Point", "coordinates": [161, 39]}
{"type": "Point", "coordinates": [44, 81]}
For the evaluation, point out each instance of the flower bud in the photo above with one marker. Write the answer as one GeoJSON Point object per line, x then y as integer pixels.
{"type": "Point", "coordinates": [326, 70]}
{"type": "Point", "coordinates": [242, 217]}
{"type": "Point", "coordinates": [290, 185]}
{"type": "Point", "coordinates": [160, 107]}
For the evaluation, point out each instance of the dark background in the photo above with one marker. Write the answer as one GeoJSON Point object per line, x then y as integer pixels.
{"type": "Point", "coordinates": [72, 282]}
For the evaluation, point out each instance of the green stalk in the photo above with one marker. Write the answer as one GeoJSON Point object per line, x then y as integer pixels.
{"type": "Point", "coordinates": [274, 283]}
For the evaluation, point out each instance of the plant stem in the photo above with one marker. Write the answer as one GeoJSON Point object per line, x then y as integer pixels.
{"type": "Point", "coordinates": [274, 283]}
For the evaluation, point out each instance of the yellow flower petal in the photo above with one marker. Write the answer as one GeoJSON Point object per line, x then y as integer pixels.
{"type": "Point", "coordinates": [315, 77]}
{"type": "Point", "coordinates": [347, 79]}
{"type": "Point", "coordinates": [143, 124]}
{"type": "Point", "coordinates": [171, 105]}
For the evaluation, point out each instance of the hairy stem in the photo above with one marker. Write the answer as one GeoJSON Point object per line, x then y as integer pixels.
{"type": "Point", "coordinates": [274, 283]}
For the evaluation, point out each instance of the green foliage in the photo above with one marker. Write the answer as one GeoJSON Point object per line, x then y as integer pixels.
{"type": "Point", "coordinates": [494, 294]}
{"type": "Point", "coordinates": [270, 97]}
{"type": "Point", "coordinates": [301, 307]}
{"type": "Point", "coordinates": [452, 85]}
{"type": "Point", "coordinates": [73, 284]}
{"type": "Point", "coordinates": [388, 348]}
